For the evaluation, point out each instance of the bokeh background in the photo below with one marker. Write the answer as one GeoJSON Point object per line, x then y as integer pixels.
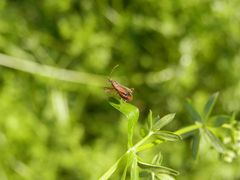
{"type": "Point", "coordinates": [55, 119]}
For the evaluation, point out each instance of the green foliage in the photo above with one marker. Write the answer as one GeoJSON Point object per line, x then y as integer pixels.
{"type": "Point", "coordinates": [209, 105]}
{"type": "Point", "coordinates": [163, 122]}
{"type": "Point", "coordinates": [156, 136]}
{"type": "Point", "coordinates": [205, 129]}
{"type": "Point", "coordinates": [131, 112]}
{"type": "Point", "coordinates": [55, 122]}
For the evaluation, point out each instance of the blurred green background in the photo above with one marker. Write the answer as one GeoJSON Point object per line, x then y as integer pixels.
{"type": "Point", "coordinates": [62, 126]}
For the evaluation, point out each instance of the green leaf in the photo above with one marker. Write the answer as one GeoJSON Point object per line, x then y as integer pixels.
{"type": "Point", "coordinates": [216, 143]}
{"type": "Point", "coordinates": [209, 105]}
{"type": "Point", "coordinates": [132, 114]}
{"type": "Point", "coordinates": [149, 120]}
{"type": "Point", "coordinates": [129, 161]}
{"type": "Point", "coordinates": [164, 177]}
{"type": "Point", "coordinates": [157, 159]}
{"type": "Point", "coordinates": [134, 169]}
{"type": "Point", "coordinates": [217, 121]}
{"type": "Point", "coordinates": [193, 112]}
{"type": "Point", "coordinates": [167, 136]}
{"type": "Point", "coordinates": [157, 169]}
{"type": "Point", "coordinates": [163, 122]}
{"type": "Point", "coordinates": [114, 167]}
{"type": "Point", "coordinates": [195, 144]}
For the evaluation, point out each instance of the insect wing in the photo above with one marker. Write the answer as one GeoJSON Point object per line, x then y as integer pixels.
{"type": "Point", "coordinates": [125, 93]}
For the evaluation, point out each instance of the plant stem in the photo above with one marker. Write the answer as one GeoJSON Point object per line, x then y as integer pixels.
{"type": "Point", "coordinates": [51, 72]}
{"type": "Point", "coordinates": [188, 129]}
{"type": "Point", "coordinates": [183, 131]}
{"type": "Point", "coordinates": [142, 141]}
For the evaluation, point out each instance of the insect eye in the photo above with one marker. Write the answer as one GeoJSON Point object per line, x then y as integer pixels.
{"type": "Point", "coordinates": [127, 94]}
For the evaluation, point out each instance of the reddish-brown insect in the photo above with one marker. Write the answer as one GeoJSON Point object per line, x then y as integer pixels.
{"type": "Point", "coordinates": [124, 92]}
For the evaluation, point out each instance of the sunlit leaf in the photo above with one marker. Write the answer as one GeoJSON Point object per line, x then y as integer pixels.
{"type": "Point", "coordinates": [157, 159]}
{"type": "Point", "coordinates": [114, 167]}
{"type": "Point", "coordinates": [164, 177]}
{"type": "Point", "coordinates": [134, 168]}
{"type": "Point", "coordinates": [132, 114]}
{"type": "Point", "coordinates": [216, 143]}
{"type": "Point", "coordinates": [192, 111]}
{"type": "Point", "coordinates": [129, 161]}
{"type": "Point", "coordinates": [163, 122]}
{"type": "Point", "coordinates": [209, 105]}
{"type": "Point", "coordinates": [157, 168]}
{"type": "Point", "coordinates": [195, 144]}
{"type": "Point", "coordinates": [167, 136]}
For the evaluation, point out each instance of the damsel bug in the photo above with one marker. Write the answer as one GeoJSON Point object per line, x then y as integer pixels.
{"type": "Point", "coordinates": [124, 92]}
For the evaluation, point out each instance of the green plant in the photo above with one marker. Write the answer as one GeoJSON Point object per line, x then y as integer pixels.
{"type": "Point", "coordinates": [204, 126]}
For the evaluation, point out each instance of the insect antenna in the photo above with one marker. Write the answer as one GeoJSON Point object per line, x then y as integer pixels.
{"type": "Point", "coordinates": [109, 76]}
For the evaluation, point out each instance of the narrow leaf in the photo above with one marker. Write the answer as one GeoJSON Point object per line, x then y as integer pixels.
{"type": "Point", "coordinates": [209, 105]}
{"type": "Point", "coordinates": [157, 159]}
{"type": "Point", "coordinates": [152, 176]}
{"type": "Point", "coordinates": [157, 168]}
{"type": "Point", "coordinates": [163, 122]}
{"type": "Point", "coordinates": [217, 121]}
{"type": "Point", "coordinates": [149, 120]}
{"type": "Point", "coordinates": [129, 161]}
{"type": "Point", "coordinates": [192, 111]}
{"type": "Point", "coordinates": [114, 167]}
{"type": "Point", "coordinates": [132, 114]}
{"type": "Point", "coordinates": [216, 143]}
{"type": "Point", "coordinates": [164, 177]}
{"type": "Point", "coordinates": [167, 136]}
{"type": "Point", "coordinates": [134, 169]}
{"type": "Point", "coordinates": [195, 144]}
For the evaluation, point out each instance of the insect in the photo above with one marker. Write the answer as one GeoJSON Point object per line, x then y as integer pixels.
{"type": "Point", "coordinates": [124, 92]}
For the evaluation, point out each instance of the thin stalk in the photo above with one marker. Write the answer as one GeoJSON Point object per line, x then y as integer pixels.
{"type": "Point", "coordinates": [188, 129]}
{"type": "Point", "coordinates": [142, 141]}
{"type": "Point", "coordinates": [51, 71]}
